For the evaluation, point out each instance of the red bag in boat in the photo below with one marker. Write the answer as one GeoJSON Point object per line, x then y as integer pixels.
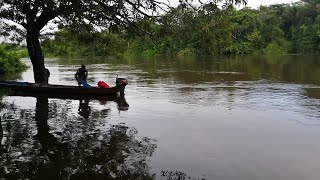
{"type": "Point", "coordinates": [103, 84]}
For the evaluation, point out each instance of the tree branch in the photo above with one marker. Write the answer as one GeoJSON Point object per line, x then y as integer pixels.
{"type": "Point", "coordinates": [44, 18]}
{"type": "Point", "coordinates": [137, 8]}
{"type": "Point", "coordinates": [35, 9]}
{"type": "Point", "coordinates": [23, 24]}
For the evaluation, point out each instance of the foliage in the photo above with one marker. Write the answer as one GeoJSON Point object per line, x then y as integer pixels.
{"type": "Point", "coordinates": [70, 42]}
{"type": "Point", "coordinates": [274, 48]}
{"type": "Point", "coordinates": [10, 60]}
{"type": "Point", "coordinates": [208, 30]}
{"type": "Point", "coordinates": [188, 30]}
{"type": "Point", "coordinates": [149, 53]}
{"type": "Point", "coordinates": [186, 52]}
{"type": "Point", "coordinates": [111, 16]}
{"type": "Point", "coordinates": [20, 51]}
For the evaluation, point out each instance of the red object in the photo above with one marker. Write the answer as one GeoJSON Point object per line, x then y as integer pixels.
{"type": "Point", "coordinates": [103, 84]}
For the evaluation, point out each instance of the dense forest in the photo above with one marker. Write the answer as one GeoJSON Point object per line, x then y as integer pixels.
{"type": "Point", "coordinates": [205, 30]}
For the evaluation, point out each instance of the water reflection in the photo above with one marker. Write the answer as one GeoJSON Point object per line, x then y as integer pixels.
{"type": "Point", "coordinates": [199, 70]}
{"type": "Point", "coordinates": [84, 109]}
{"type": "Point", "coordinates": [2, 150]}
{"type": "Point", "coordinates": [122, 104]}
{"type": "Point", "coordinates": [313, 92]}
{"type": "Point", "coordinates": [217, 118]}
{"type": "Point", "coordinates": [38, 149]}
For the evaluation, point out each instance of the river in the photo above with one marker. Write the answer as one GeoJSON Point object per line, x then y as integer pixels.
{"type": "Point", "coordinates": [213, 118]}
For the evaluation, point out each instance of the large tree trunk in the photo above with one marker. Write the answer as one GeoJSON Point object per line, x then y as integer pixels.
{"type": "Point", "coordinates": [41, 74]}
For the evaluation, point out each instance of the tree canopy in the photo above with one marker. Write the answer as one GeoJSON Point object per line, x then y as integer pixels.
{"type": "Point", "coordinates": [34, 15]}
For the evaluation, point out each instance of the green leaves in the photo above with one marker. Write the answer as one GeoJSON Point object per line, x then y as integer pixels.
{"type": "Point", "coordinates": [10, 60]}
{"type": "Point", "coordinates": [151, 28]}
{"type": "Point", "coordinates": [72, 42]}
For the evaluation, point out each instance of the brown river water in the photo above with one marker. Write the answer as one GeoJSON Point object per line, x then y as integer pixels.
{"type": "Point", "coordinates": [218, 118]}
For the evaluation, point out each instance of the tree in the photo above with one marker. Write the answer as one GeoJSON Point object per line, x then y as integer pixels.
{"type": "Point", "coordinates": [34, 15]}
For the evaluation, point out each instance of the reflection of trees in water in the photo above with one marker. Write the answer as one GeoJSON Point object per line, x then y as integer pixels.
{"type": "Point", "coordinates": [302, 69]}
{"type": "Point", "coordinates": [72, 147]}
{"type": "Point", "coordinates": [68, 148]}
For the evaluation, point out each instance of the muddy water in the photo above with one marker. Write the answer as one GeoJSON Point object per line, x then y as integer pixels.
{"type": "Point", "coordinates": [227, 118]}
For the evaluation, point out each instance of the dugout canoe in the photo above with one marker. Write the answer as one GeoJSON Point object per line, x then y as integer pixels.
{"type": "Point", "coordinates": [63, 90]}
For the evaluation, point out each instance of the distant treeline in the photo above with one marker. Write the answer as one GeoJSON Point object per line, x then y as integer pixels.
{"type": "Point", "coordinates": [10, 56]}
{"type": "Point", "coordinates": [207, 30]}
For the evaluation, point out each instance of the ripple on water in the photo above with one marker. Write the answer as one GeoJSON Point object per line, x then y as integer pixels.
{"type": "Point", "coordinates": [259, 95]}
{"type": "Point", "coordinates": [212, 119]}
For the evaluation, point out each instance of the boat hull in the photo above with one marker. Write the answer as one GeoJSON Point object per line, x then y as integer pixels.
{"type": "Point", "coordinates": [36, 89]}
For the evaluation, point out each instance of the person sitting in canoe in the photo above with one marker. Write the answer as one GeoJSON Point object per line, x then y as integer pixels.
{"type": "Point", "coordinates": [81, 75]}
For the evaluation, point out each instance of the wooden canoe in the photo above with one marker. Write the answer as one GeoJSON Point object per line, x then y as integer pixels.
{"type": "Point", "coordinates": [35, 89]}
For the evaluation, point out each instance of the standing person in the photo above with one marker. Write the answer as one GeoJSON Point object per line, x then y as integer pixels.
{"type": "Point", "coordinates": [81, 75]}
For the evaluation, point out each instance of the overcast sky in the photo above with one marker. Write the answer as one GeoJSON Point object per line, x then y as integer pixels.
{"type": "Point", "coordinates": [257, 3]}
{"type": "Point", "coordinates": [251, 3]}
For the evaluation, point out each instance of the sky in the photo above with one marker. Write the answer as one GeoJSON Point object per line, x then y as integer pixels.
{"type": "Point", "coordinates": [257, 3]}
{"type": "Point", "coordinates": [250, 3]}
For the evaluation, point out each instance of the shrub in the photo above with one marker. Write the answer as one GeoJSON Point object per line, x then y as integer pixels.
{"type": "Point", "coordinates": [186, 52]}
{"type": "Point", "coordinates": [274, 48]}
{"type": "Point", "coordinates": [22, 53]}
{"type": "Point", "coordinates": [149, 53]}
{"type": "Point", "coordinates": [10, 61]}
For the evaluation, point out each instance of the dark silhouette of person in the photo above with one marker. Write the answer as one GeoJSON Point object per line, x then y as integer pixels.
{"type": "Point", "coordinates": [81, 74]}
{"type": "Point", "coordinates": [84, 108]}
